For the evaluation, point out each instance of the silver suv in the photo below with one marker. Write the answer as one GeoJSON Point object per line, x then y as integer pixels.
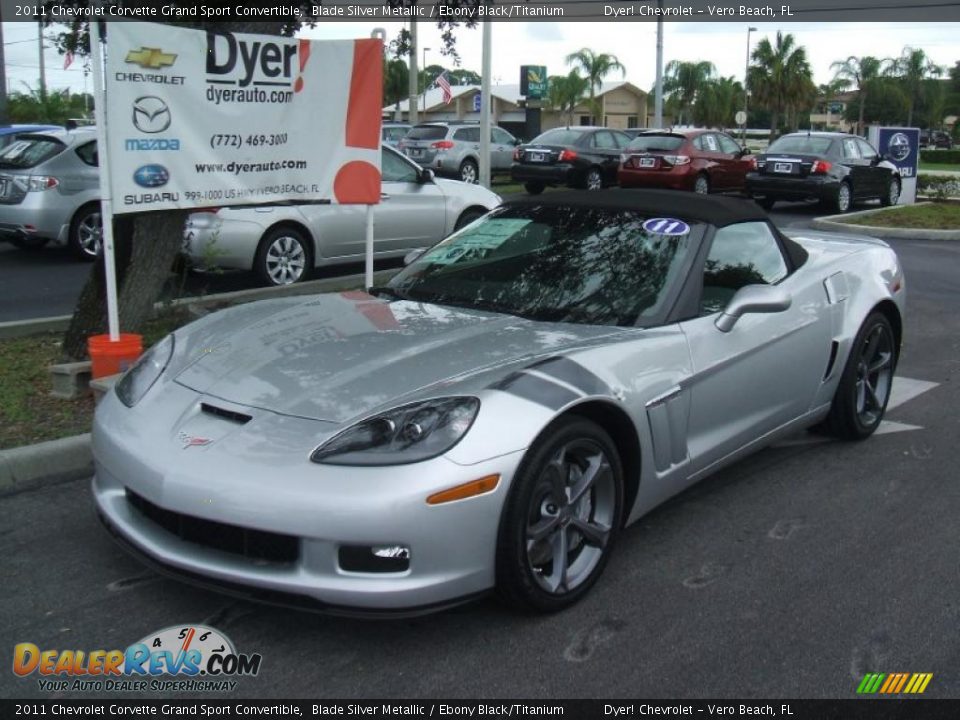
{"type": "Point", "coordinates": [453, 149]}
{"type": "Point", "coordinates": [50, 191]}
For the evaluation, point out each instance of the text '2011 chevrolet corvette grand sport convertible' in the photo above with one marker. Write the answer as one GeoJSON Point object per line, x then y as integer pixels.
{"type": "Point", "coordinates": [497, 413]}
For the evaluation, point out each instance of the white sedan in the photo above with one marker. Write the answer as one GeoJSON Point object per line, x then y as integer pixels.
{"type": "Point", "coordinates": [282, 243]}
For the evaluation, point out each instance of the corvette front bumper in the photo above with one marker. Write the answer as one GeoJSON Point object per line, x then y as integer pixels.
{"type": "Point", "coordinates": [202, 512]}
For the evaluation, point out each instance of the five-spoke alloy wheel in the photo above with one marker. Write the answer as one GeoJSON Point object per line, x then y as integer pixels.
{"type": "Point", "coordinates": [562, 517]}
{"type": "Point", "coordinates": [864, 389]}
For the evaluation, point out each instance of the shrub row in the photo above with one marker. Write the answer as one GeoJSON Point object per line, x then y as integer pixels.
{"type": "Point", "coordinates": [940, 156]}
{"type": "Point", "coordinates": [938, 186]}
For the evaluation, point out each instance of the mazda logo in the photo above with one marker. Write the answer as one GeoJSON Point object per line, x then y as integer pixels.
{"type": "Point", "coordinates": [150, 114]}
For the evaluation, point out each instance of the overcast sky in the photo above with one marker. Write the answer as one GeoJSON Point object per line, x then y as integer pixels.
{"type": "Point", "coordinates": [547, 43]}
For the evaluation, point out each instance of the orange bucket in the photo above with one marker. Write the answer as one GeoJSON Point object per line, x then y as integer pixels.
{"type": "Point", "coordinates": [110, 358]}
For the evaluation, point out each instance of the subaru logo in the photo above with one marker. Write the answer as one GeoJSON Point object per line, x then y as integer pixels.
{"type": "Point", "coordinates": [899, 147]}
{"type": "Point", "coordinates": [150, 114]}
{"type": "Point", "coordinates": [151, 176]}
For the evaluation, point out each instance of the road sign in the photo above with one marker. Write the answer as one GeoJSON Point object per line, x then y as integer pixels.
{"type": "Point", "coordinates": [740, 117]}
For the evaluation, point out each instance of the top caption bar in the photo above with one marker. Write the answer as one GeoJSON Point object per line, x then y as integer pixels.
{"type": "Point", "coordinates": [747, 11]}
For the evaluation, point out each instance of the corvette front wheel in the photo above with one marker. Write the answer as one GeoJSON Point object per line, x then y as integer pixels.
{"type": "Point", "coordinates": [562, 517]}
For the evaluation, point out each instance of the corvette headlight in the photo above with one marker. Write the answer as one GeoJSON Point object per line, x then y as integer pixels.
{"type": "Point", "coordinates": [145, 372]}
{"type": "Point", "coordinates": [406, 434]}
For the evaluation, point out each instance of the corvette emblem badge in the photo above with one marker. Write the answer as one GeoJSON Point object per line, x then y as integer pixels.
{"type": "Point", "coordinates": [190, 441]}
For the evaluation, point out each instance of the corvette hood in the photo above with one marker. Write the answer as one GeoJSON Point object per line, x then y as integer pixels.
{"type": "Point", "coordinates": [337, 357]}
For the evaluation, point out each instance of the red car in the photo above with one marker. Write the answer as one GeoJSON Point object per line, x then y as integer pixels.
{"type": "Point", "coordinates": [703, 161]}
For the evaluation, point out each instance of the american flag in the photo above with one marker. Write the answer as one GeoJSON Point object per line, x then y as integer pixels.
{"type": "Point", "coordinates": [444, 84]}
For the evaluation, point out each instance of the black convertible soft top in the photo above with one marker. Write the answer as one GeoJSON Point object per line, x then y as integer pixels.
{"type": "Point", "coordinates": [713, 209]}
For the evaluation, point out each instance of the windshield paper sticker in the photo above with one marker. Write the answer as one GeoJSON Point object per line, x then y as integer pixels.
{"type": "Point", "coordinates": [666, 226]}
{"type": "Point", "coordinates": [488, 235]}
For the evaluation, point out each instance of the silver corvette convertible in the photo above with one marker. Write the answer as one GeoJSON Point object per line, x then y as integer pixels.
{"type": "Point", "coordinates": [495, 415]}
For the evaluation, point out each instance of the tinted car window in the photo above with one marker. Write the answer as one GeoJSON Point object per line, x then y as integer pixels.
{"type": "Point", "coordinates": [395, 169]}
{"type": "Point", "coordinates": [728, 145]}
{"type": "Point", "coordinates": [581, 265]}
{"type": "Point", "coordinates": [808, 145]}
{"type": "Point", "coordinates": [742, 254]}
{"type": "Point", "coordinates": [427, 132]}
{"type": "Point", "coordinates": [621, 139]}
{"type": "Point", "coordinates": [501, 136]}
{"type": "Point", "coordinates": [394, 133]}
{"type": "Point", "coordinates": [470, 134]}
{"type": "Point", "coordinates": [656, 142]}
{"type": "Point", "coordinates": [88, 153]}
{"type": "Point", "coordinates": [866, 150]}
{"type": "Point", "coordinates": [850, 150]}
{"type": "Point", "coordinates": [603, 140]}
{"type": "Point", "coordinates": [558, 136]}
{"type": "Point", "coordinates": [28, 151]}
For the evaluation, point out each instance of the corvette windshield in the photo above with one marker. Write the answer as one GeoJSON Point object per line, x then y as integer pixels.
{"type": "Point", "coordinates": [594, 266]}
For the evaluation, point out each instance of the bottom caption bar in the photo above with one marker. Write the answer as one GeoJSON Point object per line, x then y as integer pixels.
{"type": "Point", "coordinates": [853, 709]}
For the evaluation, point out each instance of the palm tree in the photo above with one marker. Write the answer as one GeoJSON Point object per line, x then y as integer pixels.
{"type": "Point", "coordinates": [564, 93]}
{"type": "Point", "coordinates": [717, 102]}
{"type": "Point", "coordinates": [595, 67]}
{"type": "Point", "coordinates": [912, 68]}
{"type": "Point", "coordinates": [780, 77]}
{"type": "Point", "coordinates": [396, 85]}
{"type": "Point", "coordinates": [53, 106]}
{"type": "Point", "coordinates": [683, 81]}
{"type": "Point", "coordinates": [859, 72]}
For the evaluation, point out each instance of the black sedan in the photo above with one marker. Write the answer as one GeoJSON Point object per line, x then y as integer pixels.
{"type": "Point", "coordinates": [585, 157]}
{"type": "Point", "coordinates": [834, 168]}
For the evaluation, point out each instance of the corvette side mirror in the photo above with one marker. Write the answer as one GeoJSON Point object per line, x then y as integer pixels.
{"type": "Point", "coordinates": [753, 299]}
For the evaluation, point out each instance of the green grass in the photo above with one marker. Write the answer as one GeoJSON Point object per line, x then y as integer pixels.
{"type": "Point", "coordinates": [935, 216]}
{"type": "Point", "coordinates": [28, 413]}
{"type": "Point", "coordinates": [934, 167]}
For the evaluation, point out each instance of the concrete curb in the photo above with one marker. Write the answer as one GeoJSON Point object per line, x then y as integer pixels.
{"type": "Point", "coordinates": [59, 323]}
{"type": "Point", "coordinates": [828, 222]}
{"type": "Point", "coordinates": [47, 461]}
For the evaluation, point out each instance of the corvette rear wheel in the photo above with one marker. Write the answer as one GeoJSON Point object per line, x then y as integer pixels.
{"type": "Point", "coordinates": [562, 517]}
{"type": "Point", "coordinates": [864, 389]}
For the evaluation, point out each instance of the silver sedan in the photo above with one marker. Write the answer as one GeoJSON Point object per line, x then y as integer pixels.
{"type": "Point", "coordinates": [495, 416]}
{"type": "Point", "coordinates": [282, 243]}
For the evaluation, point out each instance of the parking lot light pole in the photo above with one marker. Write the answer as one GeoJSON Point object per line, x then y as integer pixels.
{"type": "Point", "coordinates": [746, 90]}
{"type": "Point", "coordinates": [485, 100]}
{"type": "Point", "coordinates": [426, 85]}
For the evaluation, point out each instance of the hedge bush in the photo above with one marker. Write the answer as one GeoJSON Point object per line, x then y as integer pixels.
{"type": "Point", "coordinates": [949, 157]}
{"type": "Point", "coordinates": [938, 186]}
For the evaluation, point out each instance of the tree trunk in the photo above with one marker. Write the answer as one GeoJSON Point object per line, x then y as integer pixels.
{"type": "Point", "coordinates": [146, 245]}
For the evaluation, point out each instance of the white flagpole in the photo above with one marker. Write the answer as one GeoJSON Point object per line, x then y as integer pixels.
{"type": "Point", "coordinates": [369, 264]}
{"type": "Point", "coordinates": [106, 199]}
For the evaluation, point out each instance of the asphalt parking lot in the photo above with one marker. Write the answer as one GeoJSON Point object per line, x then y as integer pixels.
{"type": "Point", "coordinates": [790, 574]}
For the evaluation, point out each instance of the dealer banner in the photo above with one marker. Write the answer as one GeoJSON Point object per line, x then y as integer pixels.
{"type": "Point", "coordinates": [199, 118]}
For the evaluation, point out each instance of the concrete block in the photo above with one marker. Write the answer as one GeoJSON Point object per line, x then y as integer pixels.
{"type": "Point", "coordinates": [70, 380]}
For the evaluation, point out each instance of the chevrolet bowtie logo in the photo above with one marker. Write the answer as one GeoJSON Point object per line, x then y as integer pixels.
{"type": "Point", "coordinates": [152, 58]}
